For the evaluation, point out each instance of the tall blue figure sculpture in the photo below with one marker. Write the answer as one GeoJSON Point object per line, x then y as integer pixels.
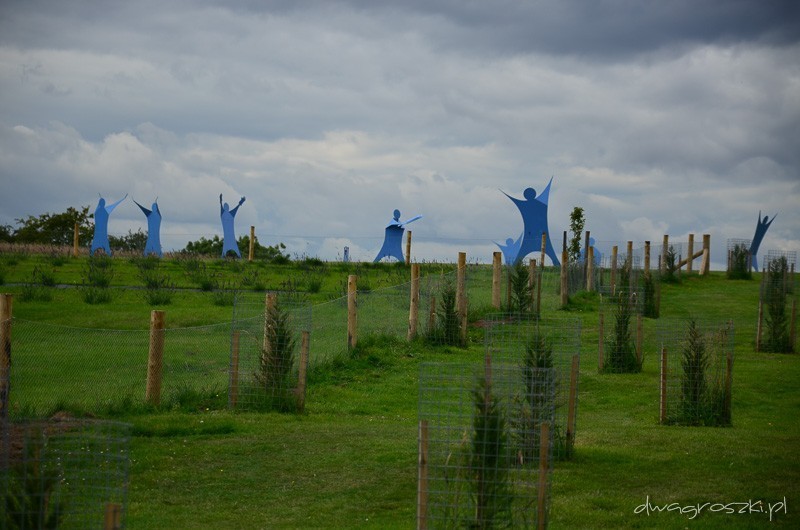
{"type": "Point", "coordinates": [598, 256]}
{"type": "Point", "coordinates": [393, 238]}
{"type": "Point", "coordinates": [534, 217]}
{"type": "Point", "coordinates": [510, 249]}
{"type": "Point", "coordinates": [101, 215]}
{"type": "Point", "coordinates": [761, 229]}
{"type": "Point", "coordinates": [153, 243]}
{"type": "Point", "coordinates": [228, 234]}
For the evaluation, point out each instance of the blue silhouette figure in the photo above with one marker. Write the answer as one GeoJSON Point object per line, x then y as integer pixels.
{"type": "Point", "coordinates": [598, 256]}
{"type": "Point", "coordinates": [393, 238]}
{"type": "Point", "coordinates": [534, 217]}
{"type": "Point", "coordinates": [101, 215]}
{"type": "Point", "coordinates": [228, 234]}
{"type": "Point", "coordinates": [761, 229]}
{"type": "Point", "coordinates": [153, 243]}
{"type": "Point", "coordinates": [510, 249]}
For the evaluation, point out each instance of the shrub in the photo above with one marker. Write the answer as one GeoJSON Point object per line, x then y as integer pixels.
{"type": "Point", "coordinates": [521, 289]}
{"type": "Point", "coordinates": [98, 271]}
{"type": "Point", "coordinates": [739, 263]}
{"type": "Point", "coordinates": [774, 297]}
{"type": "Point", "coordinates": [274, 373]}
{"type": "Point", "coordinates": [447, 326]}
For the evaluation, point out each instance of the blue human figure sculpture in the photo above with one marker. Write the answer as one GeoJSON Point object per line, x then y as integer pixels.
{"type": "Point", "coordinates": [598, 256]}
{"type": "Point", "coordinates": [761, 229]}
{"type": "Point", "coordinates": [228, 234]}
{"type": "Point", "coordinates": [393, 238]}
{"type": "Point", "coordinates": [534, 217]}
{"type": "Point", "coordinates": [510, 249]}
{"type": "Point", "coordinates": [153, 243]}
{"type": "Point", "coordinates": [101, 215]}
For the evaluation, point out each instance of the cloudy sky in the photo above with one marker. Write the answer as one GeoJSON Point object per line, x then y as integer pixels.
{"type": "Point", "coordinates": [670, 117]}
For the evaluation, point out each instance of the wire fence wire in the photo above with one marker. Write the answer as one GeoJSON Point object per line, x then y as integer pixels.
{"type": "Point", "coordinates": [525, 342]}
{"type": "Point", "coordinates": [64, 473]}
{"type": "Point", "coordinates": [696, 372]}
{"type": "Point", "coordinates": [485, 445]}
{"type": "Point", "coordinates": [56, 367]}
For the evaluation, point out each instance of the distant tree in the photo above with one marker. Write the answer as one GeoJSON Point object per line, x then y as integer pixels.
{"type": "Point", "coordinates": [55, 228]}
{"type": "Point", "coordinates": [132, 241]}
{"type": "Point", "coordinates": [6, 233]}
{"type": "Point", "coordinates": [213, 247]}
{"type": "Point", "coordinates": [576, 224]}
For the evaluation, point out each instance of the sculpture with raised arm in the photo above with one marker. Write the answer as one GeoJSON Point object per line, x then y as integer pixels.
{"type": "Point", "coordinates": [228, 234]}
{"type": "Point", "coordinates": [393, 238]}
{"type": "Point", "coordinates": [101, 215]}
{"type": "Point", "coordinates": [510, 249]}
{"type": "Point", "coordinates": [153, 244]}
{"type": "Point", "coordinates": [534, 218]}
{"type": "Point", "coordinates": [761, 229]}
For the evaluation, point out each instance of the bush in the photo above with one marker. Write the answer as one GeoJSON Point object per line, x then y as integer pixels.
{"type": "Point", "coordinates": [274, 373]}
{"type": "Point", "coordinates": [774, 298]}
{"type": "Point", "coordinates": [739, 263]}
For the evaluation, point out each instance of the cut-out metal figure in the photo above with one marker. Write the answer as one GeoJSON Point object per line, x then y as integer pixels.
{"type": "Point", "coordinates": [153, 243]}
{"type": "Point", "coordinates": [534, 217]}
{"type": "Point", "coordinates": [101, 215]}
{"type": "Point", "coordinates": [761, 229]}
{"type": "Point", "coordinates": [393, 238]}
{"type": "Point", "coordinates": [228, 234]}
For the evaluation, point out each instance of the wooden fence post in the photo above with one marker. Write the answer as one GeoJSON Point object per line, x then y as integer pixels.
{"type": "Point", "coordinates": [532, 284]}
{"type": "Point", "coordinates": [664, 251]}
{"type": "Point", "coordinates": [706, 268]}
{"type": "Point", "coordinates": [461, 294]}
{"type": "Point", "coordinates": [663, 403]}
{"type": "Point", "coordinates": [564, 278]}
{"type": "Point", "coordinates": [590, 269]}
{"type": "Point", "coordinates": [690, 254]}
{"type": "Point", "coordinates": [234, 375]}
{"type": "Point", "coordinates": [422, 484]}
{"type": "Point", "coordinates": [305, 342]}
{"type": "Point", "coordinates": [352, 311]}
{"type": "Point", "coordinates": [75, 240]}
{"type": "Point", "coordinates": [408, 247]}
{"type": "Point", "coordinates": [544, 468]}
{"type": "Point", "coordinates": [647, 258]}
{"type": "Point", "coordinates": [6, 313]}
{"type": "Point", "coordinates": [614, 255]}
{"type": "Point", "coordinates": [155, 359]}
{"type": "Point", "coordinates": [270, 303]}
{"type": "Point", "coordinates": [496, 275]}
{"type": "Point", "coordinates": [413, 312]}
{"type": "Point", "coordinates": [544, 248]}
{"type": "Point", "coordinates": [573, 400]}
{"type": "Point", "coordinates": [252, 246]}
{"type": "Point", "coordinates": [112, 519]}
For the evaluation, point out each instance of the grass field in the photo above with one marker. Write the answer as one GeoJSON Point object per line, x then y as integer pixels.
{"type": "Point", "coordinates": [350, 460]}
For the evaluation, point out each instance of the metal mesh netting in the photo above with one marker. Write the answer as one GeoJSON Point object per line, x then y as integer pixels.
{"type": "Point", "coordinates": [94, 368]}
{"type": "Point", "coordinates": [269, 352]}
{"type": "Point", "coordinates": [696, 372]}
{"type": "Point", "coordinates": [777, 305]}
{"type": "Point", "coordinates": [543, 343]}
{"type": "Point", "coordinates": [481, 435]}
{"type": "Point", "coordinates": [620, 339]}
{"type": "Point", "coordinates": [739, 260]}
{"type": "Point", "coordinates": [64, 473]}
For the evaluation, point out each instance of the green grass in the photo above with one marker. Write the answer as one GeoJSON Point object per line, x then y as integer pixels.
{"type": "Point", "coordinates": [349, 461]}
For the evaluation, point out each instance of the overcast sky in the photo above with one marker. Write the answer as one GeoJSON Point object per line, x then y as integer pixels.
{"type": "Point", "coordinates": [669, 117]}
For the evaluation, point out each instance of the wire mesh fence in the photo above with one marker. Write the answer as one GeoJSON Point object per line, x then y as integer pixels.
{"type": "Point", "coordinates": [485, 445]}
{"type": "Point", "coordinates": [696, 372]}
{"type": "Point", "coordinates": [270, 347]}
{"type": "Point", "coordinates": [56, 367]}
{"type": "Point", "coordinates": [546, 342]}
{"type": "Point", "coordinates": [739, 260]}
{"type": "Point", "coordinates": [620, 330]}
{"type": "Point", "coordinates": [777, 313]}
{"type": "Point", "coordinates": [63, 473]}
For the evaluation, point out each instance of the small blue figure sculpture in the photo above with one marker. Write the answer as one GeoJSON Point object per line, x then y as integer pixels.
{"type": "Point", "coordinates": [510, 249]}
{"type": "Point", "coordinates": [761, 229]}
{"type": "Point", "coordinates": [228, 234]}
{"type": "Point", "coordinates": [101, 215]}
{"type": "Point", "coordinates": [153, 243]}
{"type": "Point", "coordinates": [534, 218]}
{"type": "Point", "coordinates": [393, 239]}
{"type": "Point", "coordinates": [598, 256]}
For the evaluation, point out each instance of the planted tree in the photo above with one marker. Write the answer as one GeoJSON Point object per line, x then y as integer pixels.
{"type": "Point", "coordinates": [274, 373]}
{"type": "Point", "coordinates": [778, 338]}
{"type": "Point", "coordinates": [490, 487]}
{"type": "Point", "coordinates": [521, 288]}
{"type": "Point", "coordinates": [739, 263]}
{"type": "Point", "coordinates": [621, 349]}
{"type": "Point", "coordinates": [537, 405]}
{"type": "Point", "coordinates": [447, 328]}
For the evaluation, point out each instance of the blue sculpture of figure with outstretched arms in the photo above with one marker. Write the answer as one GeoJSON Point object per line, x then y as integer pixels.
{"type": "Point", "coordinates": [393, 238]}
{"type": "Point", "coordinates": [153, 244]}
{"type": "Point", "coordinates": [101, 215]}
{"type": "Point", "coordinates": [761, 229]}
{"type": "Point", "coordinates": [228, 234]}
{"type": "Point", "coordinates": [534, 218]}
{"type": "Point", "coordinates": [510, 249]}
{"type": "Point", "coordinates": [598, 256]}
